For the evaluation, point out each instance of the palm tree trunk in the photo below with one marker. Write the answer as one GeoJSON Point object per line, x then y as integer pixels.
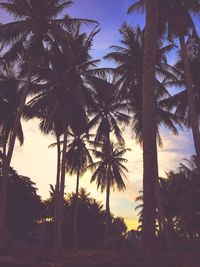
{"type": "Point", "coordinates": [57, 187]}
{"type": "Point", "coordinates": [6, 163]}
{"type": "Point", "coordinates": [4, 147]}
{"type": "Point", "coordinates": [60, 221]}
{"type": "Point", "coordinates": [191, 101]}
{"type": "Point", "coordinates": [76, 210]}
{"type": "Point", "coordinates": [149, 131]}
{"type": "Point", "coordinates": [108, 217]}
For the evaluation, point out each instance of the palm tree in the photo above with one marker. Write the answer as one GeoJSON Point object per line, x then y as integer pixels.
{"type": "Point", "coordinates": [107, 111]}
{"type": "Point", "coordinates": [129, 71]}
{"type": "Point", "coordinates": [149, 129]}
{"type": "Point", "coordinates": [35, 22]}
{"type": "Point", "coordinates": [178, 101]}
{"type": "Point", "coordinates": [150, 166]}
{"type": "Point", "coordinates": [109, 172]}
{"type": "Point", "coordinates": [176, 19]}
{"type": "Point", "coordinates": [77, 160]}
{"type": "Point", "coordinates": [61, 96]}
{"type": "Point", "coordinates": [45, 107]}
{"type": "Point", "coordinates": [9, 101]}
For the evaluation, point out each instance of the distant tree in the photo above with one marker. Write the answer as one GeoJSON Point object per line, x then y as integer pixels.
{"type": "Point", "coordinates": [181, 192]}
{"type": "Point", "coordinates": [107, 111]}
{"type": "Point", "coordinates": [78, 159]}
{"type": "Point", "coordinates": [109, 172]}
{"type": "Point", "coordinates": [90, 221]}
{"type": "Point", "coordinates": [119, 227]}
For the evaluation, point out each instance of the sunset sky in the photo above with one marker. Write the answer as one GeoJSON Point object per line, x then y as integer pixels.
{"type": "Point", "coordinates": [38, 162]}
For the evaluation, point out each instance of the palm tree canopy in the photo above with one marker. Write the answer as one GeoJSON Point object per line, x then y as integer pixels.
{"type": "Point", "coordinates": [78, 156]}
{"type": "Point", "coordinates": [179, 102]}
{"type": "Point", "coordinates": [175, 17]}
{"type": "Point", "coordinates": [108, 112]}
{"type": "Point", "coordinates": [109, 166]}
{"type": "Point", "coordinates": [129, 60]}
{"type": "Point", "coordinates": [61, 92]}
{"type": "Point", "coordinates": [35, 23]}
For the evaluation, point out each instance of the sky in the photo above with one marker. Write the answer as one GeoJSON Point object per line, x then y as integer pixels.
{"type": "Point", "coordinates": [35, 160]}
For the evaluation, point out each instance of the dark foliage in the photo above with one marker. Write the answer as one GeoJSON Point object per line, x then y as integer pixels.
{"type": "Point", "coordinates": [25, 207]}
{"type": "Point", "coordinates": [91, 219]}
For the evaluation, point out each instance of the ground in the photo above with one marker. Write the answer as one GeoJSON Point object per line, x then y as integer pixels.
{"type": "Point", "coordinates": [94, 258]}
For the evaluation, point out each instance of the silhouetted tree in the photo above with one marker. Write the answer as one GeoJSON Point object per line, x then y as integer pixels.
{"type": "Point", "coordinates": [62, 89]}
{"type": "Point", "coordinates": [129, 72]}
{"type": "Point", "coordinates": [35, 22]}
{"type": "Point", "coordinates": [9, 101]}
{"type": "Point", "coordinates": [109, 172]}
{"type": "Point", "coordinates": [175, 20]}
{"type": "Point", "coordinates": [77, 160]}
{"type": "Point", "coordinates": [90, 221]}
{"type": "Point", "coordinates": [25, 207]}
{"type": "Point", "coordinates": [150, 165]}
{"type": "Point", "coordinates": [181, 197]}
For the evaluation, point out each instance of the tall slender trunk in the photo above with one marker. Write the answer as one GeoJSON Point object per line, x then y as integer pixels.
{"type": "Point", "coordinates": [108, 217]}
{"type": "Point", "coordinates": [149, 131]}
{"type": "Point", "coordinates": [57, 188]}
{"type": "Point", "coordinates": [4, 150]}
{"type": "Point", "coordinates": [4, 147]}
{"type": "Point", "coordinates": [6, 163]}
{"type": "Point", "coordinates": [191, 101]}
{"type": "Point", "coordinates": [76, 210]}
{"type": "Point", "coordinates": [60, 222]}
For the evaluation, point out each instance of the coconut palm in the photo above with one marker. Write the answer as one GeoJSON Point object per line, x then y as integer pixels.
{"type": "Point", "coordinates": [34, 23]}
{"type": "Point", "coordinates": [176, 20]}
{"type": "Point", "coordinates": [61, 95]}
{"type": "Point", "coordinates": [150, 166]}
{"type": "Point", "coordinates": [77, 160]}
{"type": "Point", "coordinates": [129, 71]}
{"type": "Point", "coordinates": [9, 101]}
{"type": "Point", "coordinates": [46, 109]}
{"type": "Point", "coordinates": [178, 101]}
{"type": "Point", "coordinates": [149, 129]}
{"type": "Point", "coordinates": [107, 112]}
{"type": "Point", "coordinates": [129, 60]}
{"type": "Point", "coordinates": [109, 173]}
